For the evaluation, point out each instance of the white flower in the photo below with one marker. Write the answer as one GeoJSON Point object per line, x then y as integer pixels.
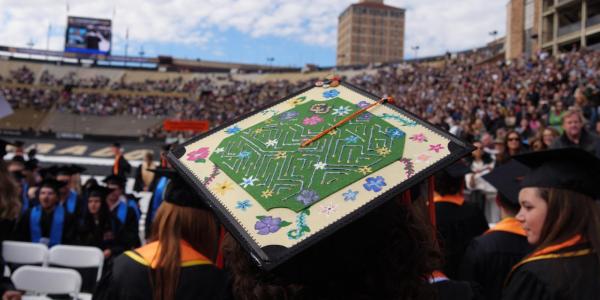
{"type": "Point", "coordinates": [219, 150]}
{"type": "Point", "coordinates": [271, 143]}
{"type": "Point", "coordinates": [248, 181]}
{"type": "Point", "coordinates": [341, 111]}
{"type": "Point", "coordinates": [320, 166]}
{"type": "Point", "coordinates": [328, 209]}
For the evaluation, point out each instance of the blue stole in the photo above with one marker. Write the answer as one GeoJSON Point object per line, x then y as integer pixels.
{"type": "Point", "coordinates": [71, 201]}
{"type": "Point", "coordinates": [25, 197]}
{"type": "Point", "coordinates": [56, 229]}
{"type": "Point", "coordinates": [122, 212]}
{"type": "Point", "coordinates": [131, 203]}
{"type": "Point", "coordinates": [158, 196]}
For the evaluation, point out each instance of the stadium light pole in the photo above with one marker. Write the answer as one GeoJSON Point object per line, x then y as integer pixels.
{"type": "Point", "coordinates": [493, 34]}
{"type": "Point", "coordinates": [416, 48]}
{"type": "Point", "coordinates": [141, 53]}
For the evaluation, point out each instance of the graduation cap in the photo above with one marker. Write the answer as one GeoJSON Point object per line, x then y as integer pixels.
{"type": "Point", "coordinates": [48, 172]}
{"type": "Point", "coordinates": [178, 192]}
{"type": "Point", "coordinates": [18, 159]}
{"type": "Point", "coordinates": [570, 169]}
{"type": "Point", "coordinates": [116, 179]}
{"type": "Point", "coordinates": [457, 170]}
{"type": "Point", "coordinates": [507, 180]}
{"type": "Point", "coordinates": [288, 175]}
{"type": "Point", "coordinates": [98, 191]}
{"type": "Point", "coordinates": [19, 144]}
{"type": "Point", "coordinates": [31, 164]}
{"type": "Point", "coordinates": [77, 169]}
{"type": "Point", "coordinates": [53, 184]}
{"type": "Point", "coordinates": [64, 170]}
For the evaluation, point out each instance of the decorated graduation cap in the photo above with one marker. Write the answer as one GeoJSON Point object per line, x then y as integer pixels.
{"type": "Point", "coordinates": [507, 180]}
{"type": "Point", "coordinates": [116, 179]}
{"type": "Point", "coordinates": [570, 169]}
{"type": "Point", "coordinates": [289, 174]}
{"type": "Point", "coordinates": [53, 184]}
{"type": "Point", "coordinates": [178, 191]}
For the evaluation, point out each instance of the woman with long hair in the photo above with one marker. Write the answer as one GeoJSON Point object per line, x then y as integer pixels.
{"type": "Point", "coordinates": [178, 261]}
{"type": "Point", "coordinates": [562, 221]}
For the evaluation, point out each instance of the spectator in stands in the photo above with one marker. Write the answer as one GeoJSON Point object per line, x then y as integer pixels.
{"type": "Point", "coordinates": [48, 222]}
{"type": "Point", "coordinates": [514, 143]}
{"type": "Point", "coordinates": [123, 211]}
{"type": "Point", "coordinates": [121, 166]}
{"type": "Point", "coordinates": [574, 133]}
{"type": "Point", "coordinates": [480, 191]}
{"type": "Point", "coordinates": [549, 135]}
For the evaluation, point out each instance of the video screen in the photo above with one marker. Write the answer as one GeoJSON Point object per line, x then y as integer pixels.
{"type": "Point", "coordinates": [88, 36]}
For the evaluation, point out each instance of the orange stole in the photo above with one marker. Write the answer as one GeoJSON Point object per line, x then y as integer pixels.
{"type": "Point", "coordinates": [456, 199]}
{"type": "Point", "coordinates": [149, 253]}
{"type": "Point", "coordinates": [116, 165]}
{"type": "Point", "coordinates": [510, 225]}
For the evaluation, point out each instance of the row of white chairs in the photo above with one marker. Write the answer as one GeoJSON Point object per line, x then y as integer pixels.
{"type": "Point", "coordinates": [42, 279]}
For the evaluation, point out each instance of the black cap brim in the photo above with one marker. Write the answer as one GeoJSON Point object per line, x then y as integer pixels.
{"type": "Point", "coordinates": [507, 180]}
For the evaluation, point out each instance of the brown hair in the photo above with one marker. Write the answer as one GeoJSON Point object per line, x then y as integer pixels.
{"type": "Point", "coordinates": [569, 213]}
{"type": "Point", "coordinates": [10, 204]}
{"type": "Point", "coordinates": [387, 254]}
{"type": "Point", "coordinates": [172, 224]}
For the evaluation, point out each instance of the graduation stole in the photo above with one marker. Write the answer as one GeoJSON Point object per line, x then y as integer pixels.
{"type": "Point", "coordinates": [510, 225]}
{"type": "Point", "coordinates": [116, 164]}
{"type": "Point", "coordinates": [148, 255]}
{"type": "Point", "coordinates": [455, 199]}
{"type": "Point", "coordinates": [25, 197]}
{"type": "Point", "coordinates": [547, 253]}
{"type": "Point", "coordinates": [131, 203]}
{"type": "Point", "coordinates": [56, 229]}
{"type": "Point", "coordinates": [71, 201]}
{"type": "Point", "coordinates": [122, 212]}
{"type": "Point", "coordinates": [158, 196]}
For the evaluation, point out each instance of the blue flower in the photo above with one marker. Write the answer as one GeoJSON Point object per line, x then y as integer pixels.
{"type": "Point", "coordinates": [351, 139]}
{"type": "Point", "coordinates": [243, 205]}
{"type": "Point", "coordinates": [232, 130]}
{"type": "Point", "coordinates": [350, 195]}
{"type": "Point", "coordinates": [363, 104]}
{"type": "Point", "coordinates": [243, 154]}
{"type": "Point", "coordinates": [374, 184]}
{"type": "Point", "coordinates": [395, 133]}
{"type": "Point", "coordinates": [267, 225]}
{"type": "Point", "coordinates": [307, 197]}
{"type": "Point", "coordinates": [288, 115]}
{"type": "Point", "coordinates": [330, 94]}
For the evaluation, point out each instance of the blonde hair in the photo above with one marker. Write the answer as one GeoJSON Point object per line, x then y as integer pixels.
{"type": "Point", "coordinates": [10, 204]}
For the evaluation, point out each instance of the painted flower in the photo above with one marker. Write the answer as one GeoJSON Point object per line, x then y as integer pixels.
{"type": "Point", "coordinates": [350, 195]}
{"type": "Point", "coordinates": [436, 148]}
{"type": "Point", "coordinates": [374, 184]}
{"type": "Point", "coordinates": [268, 224]}
{"type": "Point", "coordinates": [243, 154]}
{"type": "Point", "coordinates": [288, 115]}
{"type": "Point", "coordinates": [320, 165]}
{"type": "Point", "coordinates": [365, 170]}
{"type": "Point", "coordinates": [351, 139]}
{"type": "Point", "coordinates": [395, 133]}
{"type": "Point", "coordinates": [271, 143]}
{"type": "Point", "coordinates": [258, 130]}
{"type": "Point", "coordinates": [199, 155]}
{"type": "Point", "coordinates": [383, 151]}
{"type": "Point", "coordinates": [307, 197]}
{"type": "Point", "coordinates": [341, 111]}
{"type": "Point", "coordinates": [297, 101]}
{"type": "Point", "coordinates": [243, 205]}
{"type": "Point", "coordinates": [223, 187]}
{"type": "Point", "coordinates": [280, 154]}
{"type": "Point", "coordinates": [320, 108]}
{"type": "Point", "coordinates": [423, 158]}
{"type": "Point", "coordinates": [333, 132]}
{"type": "Point", "coordinates": [219, 150]}
{"type": "Point", "coordinates": [363, 104]}
{"type": "Point", "coordinates": [248, 181]}
{"type": "Point", "coordinates": [328, 209]}
{"type": "Point", "coordinates": [314, 120]}
{"type": "Point", "coordinates": [330, 94]}
{"type": "Point", "coordinates": [234, 129]}
{"type": "Point", "coordinates": [365, 116]}
{"type": "Point", "coordinates": [266, 193]}
{"type": "Point", "coordinates": [419, 138]}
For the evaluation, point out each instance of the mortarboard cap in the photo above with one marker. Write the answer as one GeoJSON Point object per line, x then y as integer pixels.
{"type": "Point", "coordinates": [287, 175]}
{"type": "Point", "coordinates": [64, 170]}
{"type": "Point", "coordinates": [32, 153]}
{"type": "Point", "coordinates": [18, 159]}
{"type": "Point", "coordinates": [98, 191]}
{"type": "Point", "coordinates": [77, 169]}
{"type": "Point", "coordinates": [178, 192]}
{"type": "Point", "coordinates": [19, 143]}
{"type": "Point", "coordinates": [507, 180]}
{"type": "Point", "coordinates": [570, 169]}
{"type": "Point", "coordinates": [457, 170]}
{"type": "Point", "coordinates": [31, 164]}
{"type": "Point", "coordinates": [49, 172]}
{"type": "Point", "coordinates": [116, 179]}
{"type": "Point", "coordinates": [53, 184]}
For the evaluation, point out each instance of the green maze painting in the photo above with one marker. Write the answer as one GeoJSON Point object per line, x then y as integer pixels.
{"type": "Point", "coordinates": [268, 162]}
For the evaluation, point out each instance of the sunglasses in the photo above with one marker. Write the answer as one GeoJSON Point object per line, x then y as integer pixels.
{"type": "Point", "coordinates": [513, 139]}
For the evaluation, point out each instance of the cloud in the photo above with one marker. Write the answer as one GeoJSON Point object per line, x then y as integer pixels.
{"type": "Point", "coordinates": [434, 25]}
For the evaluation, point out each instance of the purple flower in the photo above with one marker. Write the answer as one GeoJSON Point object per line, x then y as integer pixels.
{"type": "Point", "coordinates": [267, 225]}
{"type": "Point", "coordinates": [363, 104]}
{"type": "Point", "coordinates": [307, 197]}
{"type": "Point", "coordinates": [374, 184]}
{"type": "Point", "coordinates": [288, 115]}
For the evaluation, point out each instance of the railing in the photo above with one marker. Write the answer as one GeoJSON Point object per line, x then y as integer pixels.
{"type": "Point", "coordinates": [593, 21]}
{"type": "Point", "coordinates": [569, 28]}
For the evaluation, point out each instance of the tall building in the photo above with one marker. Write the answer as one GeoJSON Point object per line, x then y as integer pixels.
{"type": "Point", "coordinates": [551, 25]}
{"type": "Point", "coordinates": [370, 32]}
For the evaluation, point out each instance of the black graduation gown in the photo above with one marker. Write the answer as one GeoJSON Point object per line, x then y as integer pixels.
{"type": "Point", "coordinates": [489, 258]}
{"type": "Point", "coordinates": [130, 279]}
{"type": "Point", "coordinates": [560, 278]}
{"type": "Point", "coordinates": [124, 167]}
{"type": "Point", "coordinates": [452, 289]}
{"type": "Point", "coordinates": [23, 232]}
{"type": "Point", "coordinates": [457, 225]}
{"type": "Point", "coordinates": [127, 234]}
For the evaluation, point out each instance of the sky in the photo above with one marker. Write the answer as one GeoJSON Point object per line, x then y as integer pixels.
{"type": "Point", "coordinates": [292, 32]}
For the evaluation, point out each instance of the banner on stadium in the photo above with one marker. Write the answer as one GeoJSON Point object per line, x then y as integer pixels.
{"type": "Point", "coordinates": [182, 125]}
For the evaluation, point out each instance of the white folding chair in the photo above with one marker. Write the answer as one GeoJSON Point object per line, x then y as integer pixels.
{"type": "Point", "coordinates": [41, 281]}
{"type": "Point", "coordinates": [6, 271]}
{"type": "Point", "coordinates": [77, 257]}
{"type": "Point", "coordinates": [24, 253]}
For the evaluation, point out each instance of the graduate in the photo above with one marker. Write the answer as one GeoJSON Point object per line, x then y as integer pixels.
{"type": "Point", "coordinates": [490, 257]}
{"type": "Point", "coordinates": [178, 261]}
{"type": "Point", "coordinates": [48, 222]}
{"type": "Point", "coordinates": [458, 222]}
{"type": "Point", "coordinates": [562, 221]}
{"type": "Point", "coordinates": [69, 197]}
{"type": "Point", "coordinates": [126, 225]}
{"type": "Point", "coordinates": [121, 166]}
{"type": "Point", "coordinates": [117, 184]}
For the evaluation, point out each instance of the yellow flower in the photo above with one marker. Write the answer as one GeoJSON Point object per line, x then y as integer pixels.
{"type": "Point", "coordinates": [269, 121]}
{"type": "Point", "coordinates": [280, 154]}
{"type": "Point", "coordinates": [267, 193]}
{"type": "Point", "coordinates": [223, 187]}
{"type": "Point", "coordinates": [296, 101]}
{"type": "Point", "coordinates": [333, 132]}
{"type": "Point", "coordinates": [383, 151]}
{"type": "Point", "coordinates": [258, 131]}
{"type": "Point", "coordinates": [365, 170]}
